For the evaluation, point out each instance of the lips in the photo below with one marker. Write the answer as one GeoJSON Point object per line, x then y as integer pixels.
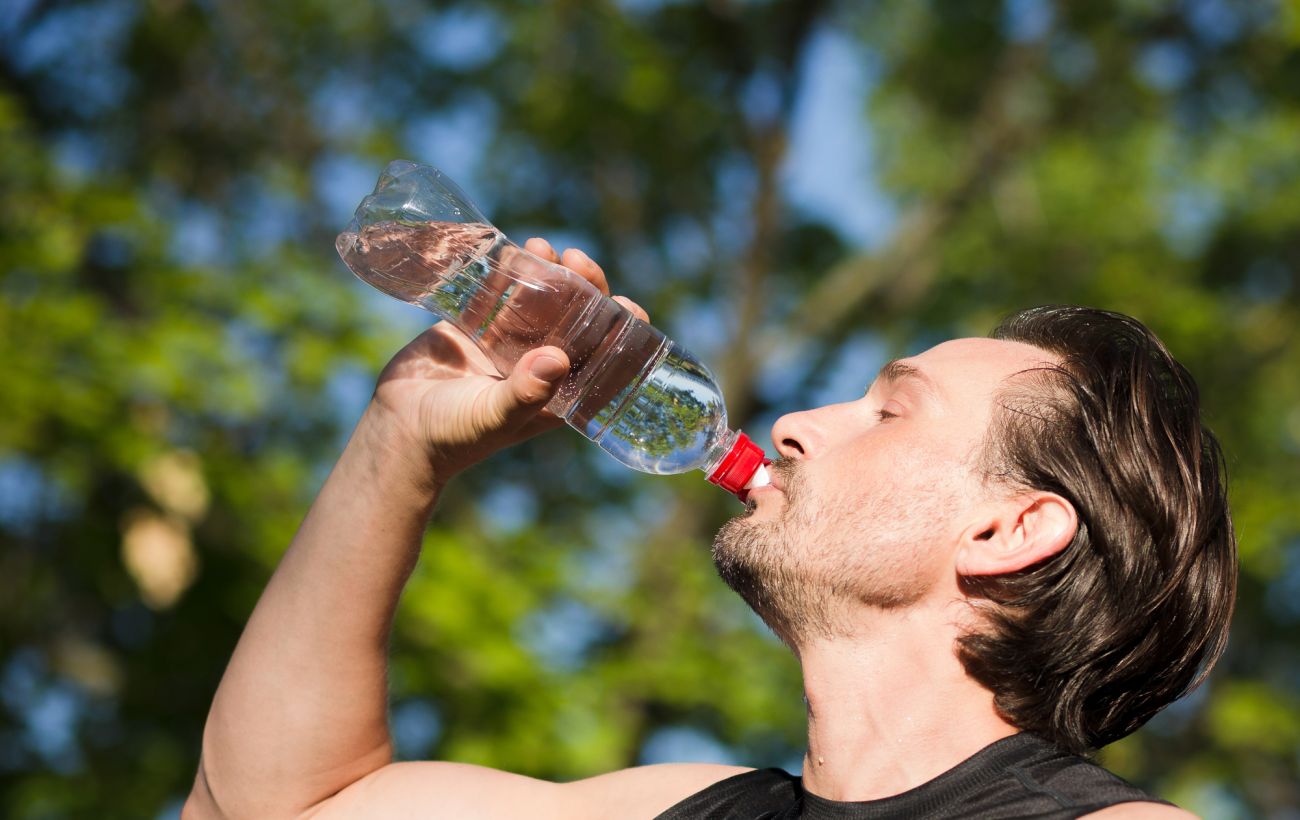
{"type": "Point", "coordinates": [776, 474]}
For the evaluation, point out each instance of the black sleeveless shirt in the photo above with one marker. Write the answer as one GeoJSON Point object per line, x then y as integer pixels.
{"type": "Point", "coordinates": [1021, 776]}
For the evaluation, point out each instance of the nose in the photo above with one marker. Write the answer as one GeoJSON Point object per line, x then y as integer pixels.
{"type": "Point", "coordinates": [798, 435]}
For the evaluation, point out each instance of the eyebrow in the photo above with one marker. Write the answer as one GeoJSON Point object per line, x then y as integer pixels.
{"type": "Point", "coordinates": [896, 371]}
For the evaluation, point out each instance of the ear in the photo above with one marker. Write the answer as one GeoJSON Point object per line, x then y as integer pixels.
{"type": "Point", "coordinates": [1015, 533]}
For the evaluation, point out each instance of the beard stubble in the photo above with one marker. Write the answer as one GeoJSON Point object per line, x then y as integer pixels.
{"type": "Point", "coordinates": [809, 571]}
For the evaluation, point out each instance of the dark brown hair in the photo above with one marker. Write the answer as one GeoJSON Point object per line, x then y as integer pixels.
{"type": "Point", "coordinates": [1086, 646]}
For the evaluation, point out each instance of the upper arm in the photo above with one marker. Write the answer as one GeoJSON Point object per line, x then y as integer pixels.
{"type": "Point", "coordinates": [1142, 811]}
{"type": "Point", "coordinates": [465, 792]}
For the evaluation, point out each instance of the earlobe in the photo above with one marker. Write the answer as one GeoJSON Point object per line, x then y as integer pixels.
{"type": "Point", "coordinates": [1017, 533]}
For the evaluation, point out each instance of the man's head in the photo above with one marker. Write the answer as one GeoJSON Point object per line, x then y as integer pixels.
{"type": "Point", "coordinates": [872, 496]}
{"type": "Point", "coordinates": [1056, 477]}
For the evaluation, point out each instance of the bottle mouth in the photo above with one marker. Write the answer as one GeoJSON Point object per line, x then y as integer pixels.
{"type": "Point", "coordinates": [742, 469]}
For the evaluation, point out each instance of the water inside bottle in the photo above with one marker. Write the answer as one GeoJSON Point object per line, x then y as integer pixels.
{"type": "Point", "coordinates": [641, 397]}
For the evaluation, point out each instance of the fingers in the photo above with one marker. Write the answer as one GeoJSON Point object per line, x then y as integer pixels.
{"type": "Point", "coordinates": [516, 399]}
{"type": "Point", "coordinates": [636, 309]}
{"type": "Point", "coordinates": [540, 247]}
{"type": "Point", "coordinates": [573, 259]}
{"type": "Point", "coordinates": [582, 264]}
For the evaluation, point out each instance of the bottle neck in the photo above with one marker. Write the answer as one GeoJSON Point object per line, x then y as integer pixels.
{"type": "Point", "coordinates": [719, 451]}
{"type": "Point", "coordinates": [739, 464]}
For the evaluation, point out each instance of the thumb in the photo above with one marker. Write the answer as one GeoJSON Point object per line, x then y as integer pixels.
{"type": "Point", "coordinates": [530, 385]}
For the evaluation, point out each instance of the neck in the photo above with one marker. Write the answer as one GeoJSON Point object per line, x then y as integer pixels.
{"type": "Point", "coordinates": [891, 707]}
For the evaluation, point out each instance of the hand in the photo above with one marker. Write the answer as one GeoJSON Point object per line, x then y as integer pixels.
{"type": "Point", "coordinates": [443, 400]}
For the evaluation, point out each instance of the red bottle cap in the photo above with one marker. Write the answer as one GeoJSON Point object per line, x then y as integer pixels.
{"type": "Point", "coordinates": [738, 466]}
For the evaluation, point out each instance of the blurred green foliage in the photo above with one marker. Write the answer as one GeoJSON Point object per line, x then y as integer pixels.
{"type": "Point", "coordinates": [183, 354]}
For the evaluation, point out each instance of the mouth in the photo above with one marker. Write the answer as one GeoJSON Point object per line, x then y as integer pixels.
{"type": "Point", "coordinates": [776, 479]}
{"type": "Point", "coordinates": [760, 497]}
{"type": "Point", "coordinates": [777, 473]}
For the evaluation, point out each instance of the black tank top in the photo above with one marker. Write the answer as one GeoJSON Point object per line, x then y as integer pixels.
{"type": "Point", "coordinates": [1020, 776]}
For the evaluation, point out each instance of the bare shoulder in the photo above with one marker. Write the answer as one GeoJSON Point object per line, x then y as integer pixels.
{"type": "Point", "coordinates": [469, 792]}
{"type": "Point", "coordinates": [646, 791]}
{"type": "Point", "coordinates": [1142, 811]}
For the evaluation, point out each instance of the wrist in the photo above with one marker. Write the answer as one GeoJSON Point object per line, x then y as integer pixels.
{"type": "Point", "coordinates": [395, 452]}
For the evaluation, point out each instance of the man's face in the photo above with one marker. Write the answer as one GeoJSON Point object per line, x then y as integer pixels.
{"type": "Point", "coordinates": [870, 497]}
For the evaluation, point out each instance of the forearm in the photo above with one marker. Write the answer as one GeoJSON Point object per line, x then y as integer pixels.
{"type": "Point", "coordinates": [301, 710]}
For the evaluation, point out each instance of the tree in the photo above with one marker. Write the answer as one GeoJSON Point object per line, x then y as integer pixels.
{"type": "Point", "coordinates": [183, 352]}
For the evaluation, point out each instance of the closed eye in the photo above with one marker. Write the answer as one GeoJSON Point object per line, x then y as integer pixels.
{"type": "Point", "coordinates": [883, 414]}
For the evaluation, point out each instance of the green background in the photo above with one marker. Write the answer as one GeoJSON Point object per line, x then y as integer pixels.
{"type": "Point", "coordinates": [794, 190]}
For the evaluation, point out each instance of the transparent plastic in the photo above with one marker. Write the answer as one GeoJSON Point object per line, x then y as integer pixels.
{"type": "Point", "coordinates": [643, 398]}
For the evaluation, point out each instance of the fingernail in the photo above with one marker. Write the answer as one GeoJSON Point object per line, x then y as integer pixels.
{"type": "Point", "coordinates": [547, 368]}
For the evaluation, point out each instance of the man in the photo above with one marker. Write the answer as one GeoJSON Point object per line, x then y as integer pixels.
{"type": "Point", "coordinates": [1009, 551]}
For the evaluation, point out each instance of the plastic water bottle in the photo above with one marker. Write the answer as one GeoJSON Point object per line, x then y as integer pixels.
{"type": "Point", "coordinates": [643, 398]}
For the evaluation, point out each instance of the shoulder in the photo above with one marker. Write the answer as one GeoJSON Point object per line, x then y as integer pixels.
{"type": "Point", "coordinates": [1142, 811]}
{"type": "Point", "coordinates": [645, 791]}
{"type": "Point", "coordinates": [1042, 774]}
{"type": "Point", "coordinates": [433, 789]}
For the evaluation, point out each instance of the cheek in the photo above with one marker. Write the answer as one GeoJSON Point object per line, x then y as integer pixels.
{"type": "Point", "coordinates": [895, 474]}
{"type": "Point", "coordinates": [944, 452]}
{"type": "Point", "coordinates": [902, 480]}
{"type": "Point", "coordinates": [895, 462]}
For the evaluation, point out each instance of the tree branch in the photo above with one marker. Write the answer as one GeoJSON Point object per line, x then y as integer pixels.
{"type": "Point", "coordinates": [900, 275]}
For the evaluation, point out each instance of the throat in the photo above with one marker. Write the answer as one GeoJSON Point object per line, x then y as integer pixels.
{"type": "Point", "coordinates": [886, 719]}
